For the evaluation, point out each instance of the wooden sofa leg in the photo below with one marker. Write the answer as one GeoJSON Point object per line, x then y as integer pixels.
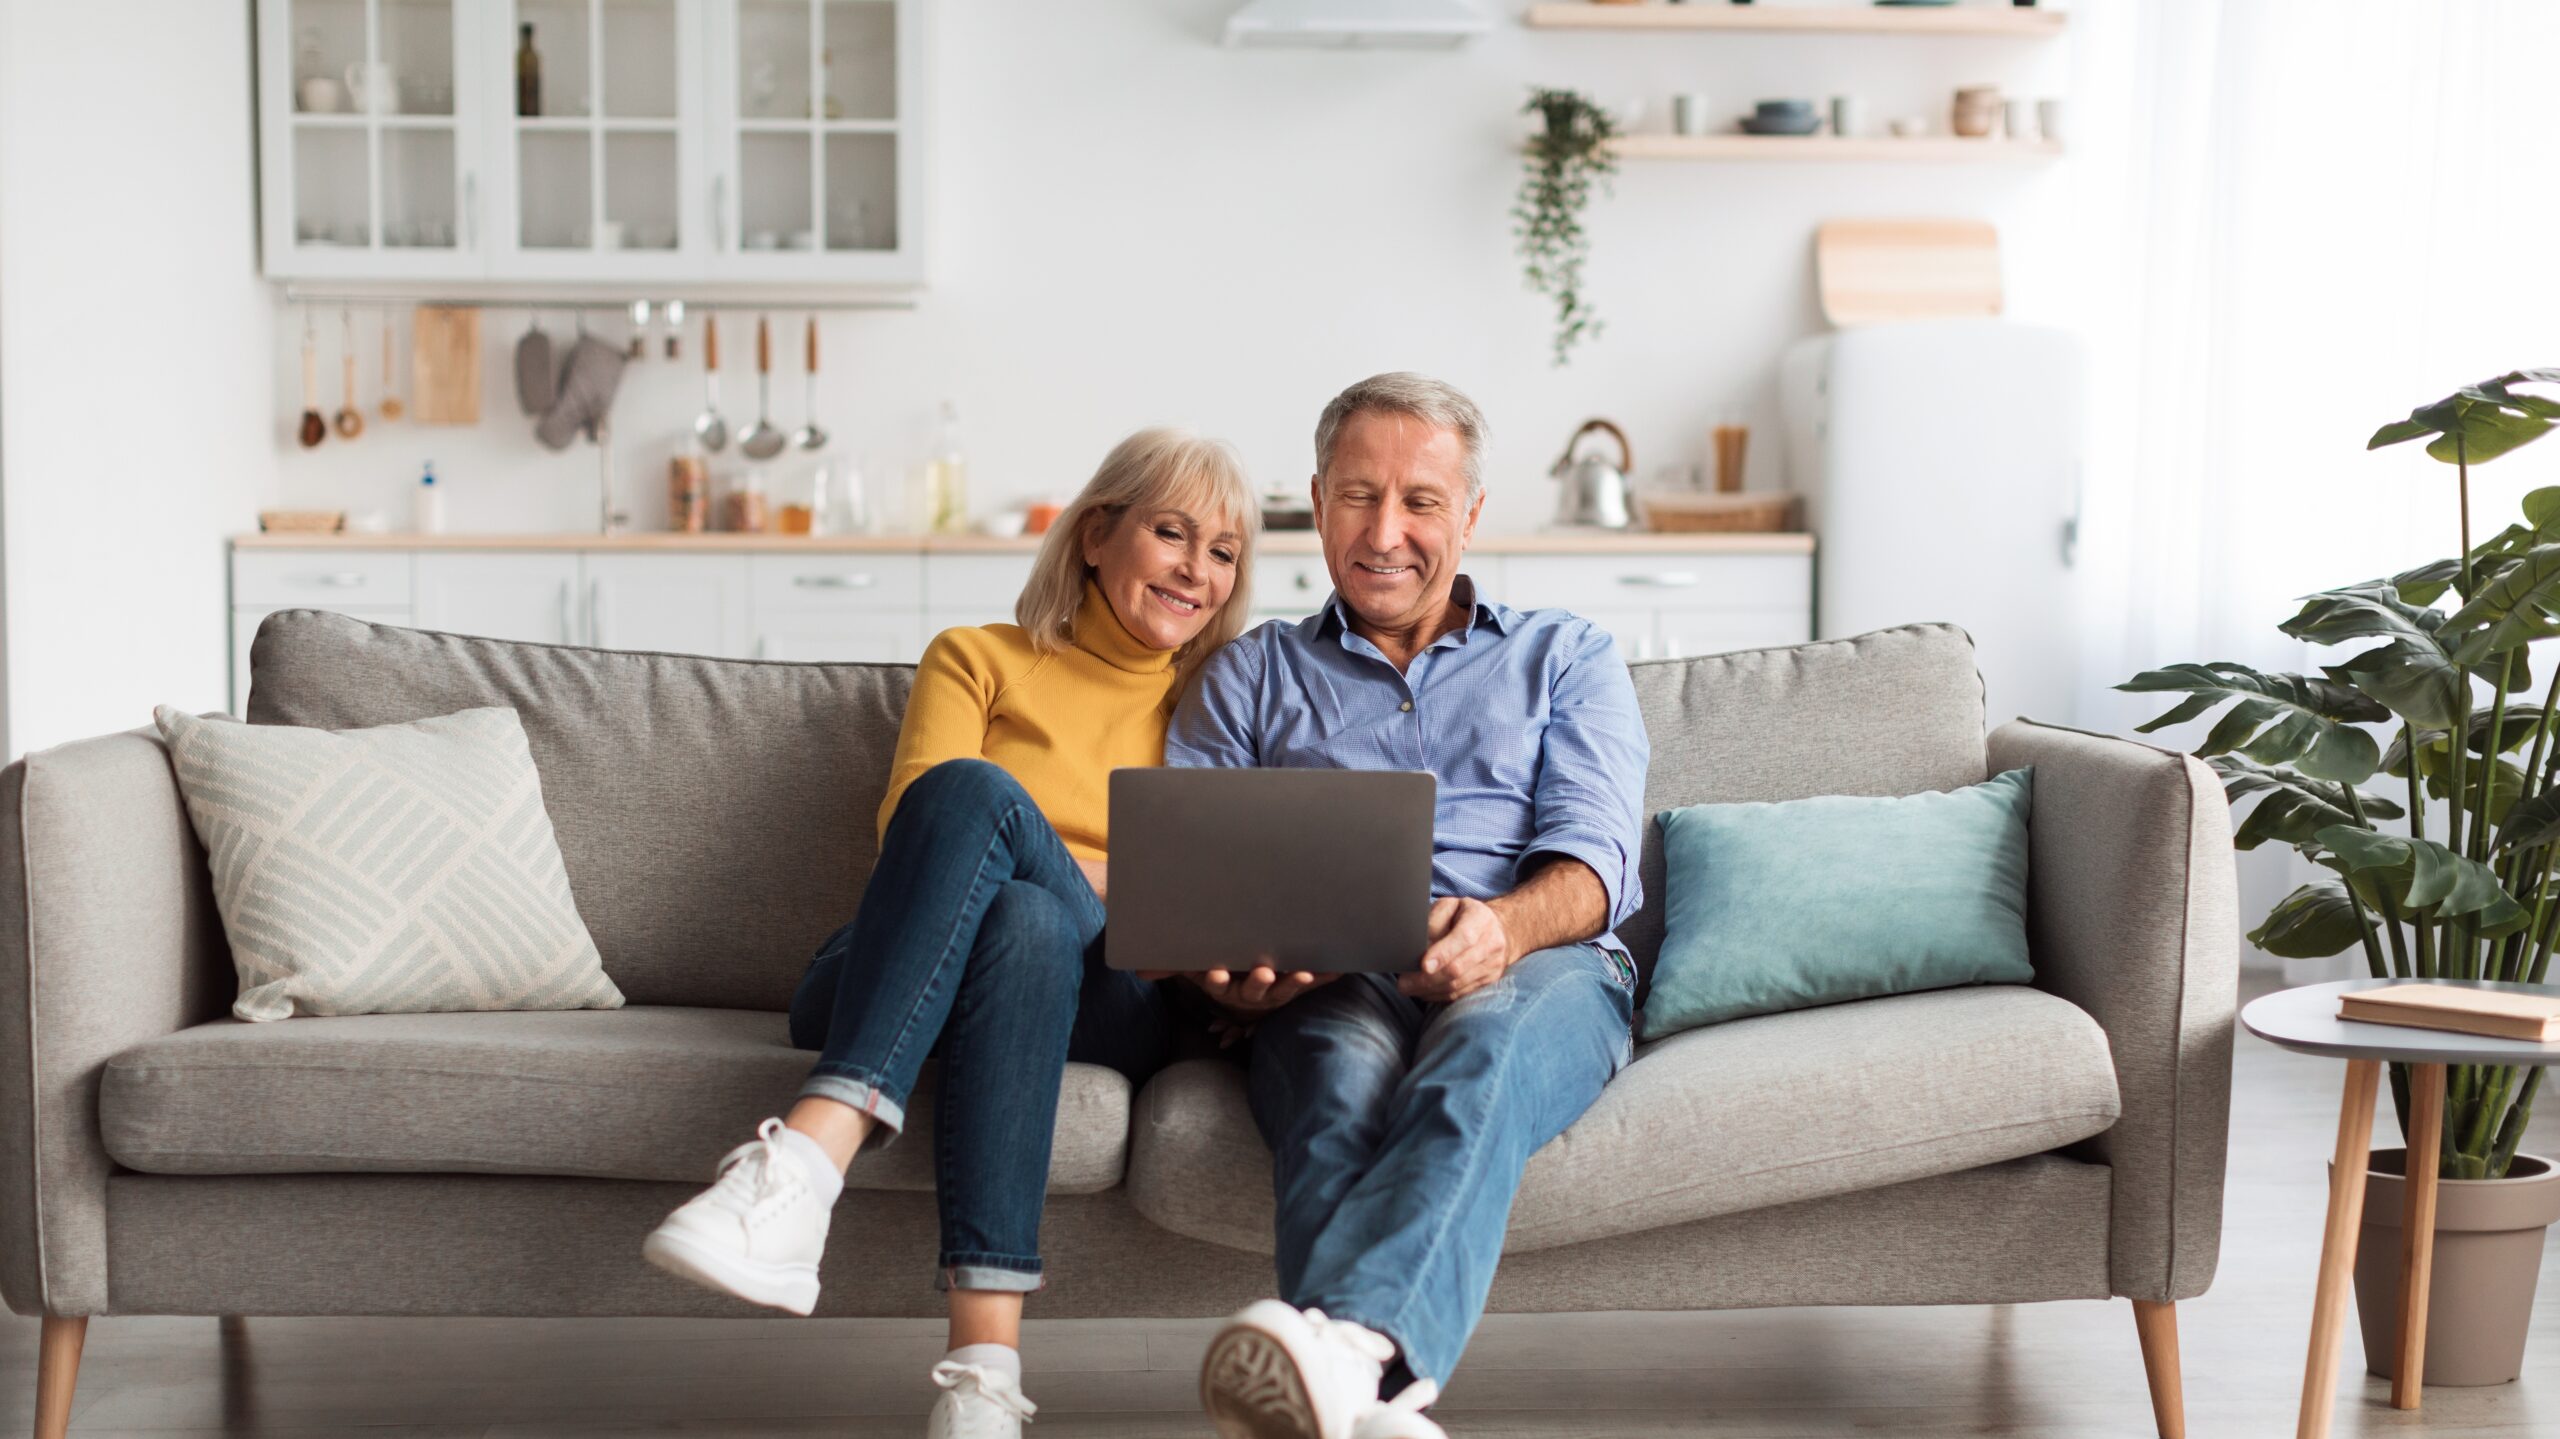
{"type": "Point", "coordinates": [2158, 1326]}
{"type": "Point", "coordinates": [57, 1372]}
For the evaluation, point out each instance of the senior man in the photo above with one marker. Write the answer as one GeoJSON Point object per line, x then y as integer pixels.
{"type": "Point", "coordinates": [1401, 1109]}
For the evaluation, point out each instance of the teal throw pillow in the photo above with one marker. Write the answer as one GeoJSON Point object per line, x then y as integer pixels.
{"type": "Point", "coordinates": [1772, 907]}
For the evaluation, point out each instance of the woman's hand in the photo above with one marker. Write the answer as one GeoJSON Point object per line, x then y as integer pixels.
{"type": "Point", "coordinates": [1095, 873]}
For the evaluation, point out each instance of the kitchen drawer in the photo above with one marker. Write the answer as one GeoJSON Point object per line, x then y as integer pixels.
{"type": "Point", "coordinates": [1661, 581]}
{"type": "Point", "coordinates": [326, 579]}
{"type": "Point", "coordinates": [834, 582]}
{"type": "Point", "coordinates": [982, 587]}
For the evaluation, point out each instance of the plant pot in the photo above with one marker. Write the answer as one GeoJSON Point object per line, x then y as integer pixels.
{"type": "Point", "coordinates": [2488, 1252]}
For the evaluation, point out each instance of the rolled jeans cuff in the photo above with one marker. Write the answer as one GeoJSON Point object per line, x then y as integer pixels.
{"type": "Point", "coordinates": [990, 1271]}
{"type": "Point", "coordinates": [888, 1116]}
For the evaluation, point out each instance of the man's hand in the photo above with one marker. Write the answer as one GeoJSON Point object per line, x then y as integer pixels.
{"type": "Point", "coordinates": [1095, 872]}
{"type": "Point", "coordinates": [1470, 948]}
{"type": "Point", "coordinates": [1251, 993]}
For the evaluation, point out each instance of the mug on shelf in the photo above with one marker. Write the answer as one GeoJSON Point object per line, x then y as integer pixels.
{"type": "Point", "coordinates": [372, 88]}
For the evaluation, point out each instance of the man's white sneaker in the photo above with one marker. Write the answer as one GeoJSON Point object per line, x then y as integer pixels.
{"type": "Point", "coordinates": [1280, 1373]}
{"type": "Point", "coordinates": [756, 1233]}
{"type": "Point", "coordinates": [1402, 1416]}
{"type": "Point", "coordinates": [977, 1403]}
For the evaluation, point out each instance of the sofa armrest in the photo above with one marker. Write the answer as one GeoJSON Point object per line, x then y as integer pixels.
{"type": "Point", "coordinates": [108, 937]}
{"type": "Point", "coordinates": [2132, 915]}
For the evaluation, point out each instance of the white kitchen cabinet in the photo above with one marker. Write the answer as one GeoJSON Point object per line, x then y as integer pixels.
{"type": "Point", "coordinates": [677, 604]}
{"type": "Point", "coordinates": [1682, 634]}
{"type": "Point", "coordinates": [972, 589]}
{"type": "Point", "coordinates": [841, 636]}
{"type": "Point", "coordinates": [503, 595]}
{"type": "Point", "coordinates": [602, 176]}
{"type": "Point", "coordinates": [371, 138]}
{"type": "Point", "coordinates": [672, 142]}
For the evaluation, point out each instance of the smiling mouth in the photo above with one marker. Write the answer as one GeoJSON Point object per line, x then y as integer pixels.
{"type": "Point", "coordinates": [1382, 571]}
{"type": "Point", "coordinates": [1174, 602]}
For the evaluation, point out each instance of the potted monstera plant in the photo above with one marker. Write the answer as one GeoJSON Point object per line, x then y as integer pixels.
{"type": "Point", "coordinates": [2419, 770]}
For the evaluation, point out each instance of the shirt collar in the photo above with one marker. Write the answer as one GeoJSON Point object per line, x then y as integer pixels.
{"type": "Point", "coordinates": [1099, 633]}
{"type": "Point", "coordinates": [1333, 619]}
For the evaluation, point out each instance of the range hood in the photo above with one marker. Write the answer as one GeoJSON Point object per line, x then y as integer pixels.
{"type": "Point", "coordinates": [1357, 24]}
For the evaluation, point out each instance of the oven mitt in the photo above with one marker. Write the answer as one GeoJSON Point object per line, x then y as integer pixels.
{"type": "Point", "coordinates": [587, 385]}
{"type": "Point", "coordinates": [537, 378]}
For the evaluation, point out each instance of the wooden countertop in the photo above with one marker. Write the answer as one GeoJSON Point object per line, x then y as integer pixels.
{"type": "Point", "coordinates": [1282, 542]}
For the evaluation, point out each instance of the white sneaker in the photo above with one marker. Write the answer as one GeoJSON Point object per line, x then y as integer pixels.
{"type": "Point", "coordinates": [977, 1403]}
{"type": "Point", "coordinates": [1280, 1373]}
{"type": "Point", "coordinates": [757, 1232]}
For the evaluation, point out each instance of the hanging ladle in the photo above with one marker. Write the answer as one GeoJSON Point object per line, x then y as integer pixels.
{"type": "Point", "coordinates": [810, 435]}
{"type": "Point", "coordinates": [350, 419]}
{"type": "Point", "coordinates": [763, 440]}
{"type": "Point", "coordinates": [314, 429]}
{"type": "Point", "coordinates": [711, 430]}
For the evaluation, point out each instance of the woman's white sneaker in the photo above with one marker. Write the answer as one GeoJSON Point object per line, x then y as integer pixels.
{"type": "Point", "coordinates": [757, 1232]}
{"type": "Point", "coordinates": [1281, 1373]}
{"type": "Point", "coordinates": [977, 1403]}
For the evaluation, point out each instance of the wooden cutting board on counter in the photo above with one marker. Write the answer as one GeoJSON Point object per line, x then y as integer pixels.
{"type": "Point", "coordinates": [444, 364]}
{"type": "Point", "coordinates": [1873, 272]}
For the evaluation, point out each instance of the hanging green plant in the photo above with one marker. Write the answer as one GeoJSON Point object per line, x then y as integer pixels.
{"type": "Point", "coordinates": [1565, 158]}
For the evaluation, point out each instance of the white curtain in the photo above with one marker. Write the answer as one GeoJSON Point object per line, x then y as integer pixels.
{"type": "Point", "coordinates": [2297, 220]}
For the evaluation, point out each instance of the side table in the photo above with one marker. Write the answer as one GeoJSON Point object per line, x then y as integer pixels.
{"type": "Point", "coordinates": [2306, 1020]}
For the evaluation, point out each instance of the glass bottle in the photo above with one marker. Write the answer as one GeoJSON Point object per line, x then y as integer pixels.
{"type": "Point", "coordinates": [528, 73]}
{"type": "Point", "coordinates": [946, 479]}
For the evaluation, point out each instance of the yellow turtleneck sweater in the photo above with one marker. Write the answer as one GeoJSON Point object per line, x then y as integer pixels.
{"type": "Point", "coordinates": [1057, 722]}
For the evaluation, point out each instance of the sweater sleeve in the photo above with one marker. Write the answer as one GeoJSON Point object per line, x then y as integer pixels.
{"type": "Point", "coordinates": [955, 691]}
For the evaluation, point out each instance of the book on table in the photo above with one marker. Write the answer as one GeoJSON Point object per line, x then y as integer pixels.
{"type": "Point", "coordinates": [2503, 1014]}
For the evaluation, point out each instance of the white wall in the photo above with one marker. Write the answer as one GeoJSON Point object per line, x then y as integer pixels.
{"type": "Point", "coordinates": [133, 328]}
{"type": "Point", "coordinates": [1138, 226]}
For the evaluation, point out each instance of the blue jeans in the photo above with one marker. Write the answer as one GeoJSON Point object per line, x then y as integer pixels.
{"type": "Point", "coordinates": [980, 940]}
{"type": "Point", "coordinates": [1398, 1131]}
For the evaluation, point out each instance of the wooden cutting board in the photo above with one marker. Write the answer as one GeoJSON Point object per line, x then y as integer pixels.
{"type": "Point", "coordinates": [444, 365]}
{"type": "Point", "coordinates": [1872, 272]}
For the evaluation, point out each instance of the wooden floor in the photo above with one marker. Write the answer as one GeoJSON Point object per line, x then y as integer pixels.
{"type": "Point", "coordinates": [2060, 1371]}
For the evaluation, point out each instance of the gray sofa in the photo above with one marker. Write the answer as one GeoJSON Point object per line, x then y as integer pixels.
{"type": "Point", "coordinates": [2001, 1144]}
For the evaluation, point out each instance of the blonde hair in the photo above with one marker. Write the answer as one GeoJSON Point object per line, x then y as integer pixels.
{"type": "Point", "coordinates": [1158, 468]}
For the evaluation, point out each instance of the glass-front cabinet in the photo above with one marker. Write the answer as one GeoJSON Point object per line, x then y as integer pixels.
{"type": "Point", "coordinates": [767, 141]}
{"type": "Point", "coordinates": [371, 133]}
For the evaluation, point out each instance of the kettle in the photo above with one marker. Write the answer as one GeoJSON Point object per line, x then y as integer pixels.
{"type": "Point", "coordinates": [1594, 491]}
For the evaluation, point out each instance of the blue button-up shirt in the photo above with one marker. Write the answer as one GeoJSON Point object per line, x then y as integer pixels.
{"type": "Point", "coordinates": [1526, 718]}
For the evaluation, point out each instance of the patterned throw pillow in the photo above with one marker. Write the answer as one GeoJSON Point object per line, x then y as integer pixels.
{"type": "Point", "coordinates": [403, 869]}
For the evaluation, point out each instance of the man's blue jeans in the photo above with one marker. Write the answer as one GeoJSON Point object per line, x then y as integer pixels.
{"type": "Point", "coordinates": [1399, 1129]}
{"type": "Point", "coordinates": [980, 940]}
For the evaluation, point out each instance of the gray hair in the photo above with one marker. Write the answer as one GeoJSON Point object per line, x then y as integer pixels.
{"type": "Point", "coordinates": [1402, 392]}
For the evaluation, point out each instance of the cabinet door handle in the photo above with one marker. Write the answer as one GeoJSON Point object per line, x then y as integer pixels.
{"type": "Point", "coordinates": [341, 580]}
{"type": "Point", "coordinates": [1661, 580]}
{"type": "Point", "coordinates": [1303, 582]}
{"type": "Point", "coordinates": [471, 210]}
{"type": "Point", "coordinates": [720, 212]}
{"type": "Point", "coordinates": [835, 582]}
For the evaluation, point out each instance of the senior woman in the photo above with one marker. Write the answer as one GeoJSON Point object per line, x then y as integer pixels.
{"type": "Point", "coordinates": [979, 934]}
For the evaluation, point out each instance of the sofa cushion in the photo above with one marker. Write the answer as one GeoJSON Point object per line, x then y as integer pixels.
{"type": "Point", "coordinates": [716, 816]}
{"type": "Point", "coordinates": [1730, 1117]}
{"type": "Point", "coordinates": [1893, 712]}
{"type": "Point", "coordinates": [645, 1092]}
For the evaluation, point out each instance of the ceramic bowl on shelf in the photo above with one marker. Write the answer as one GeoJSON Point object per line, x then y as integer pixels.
{"type": "Point", "coordinates": [1783, 117]}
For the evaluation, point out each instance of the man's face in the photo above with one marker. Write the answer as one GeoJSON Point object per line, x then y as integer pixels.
{"type": "Point", "coordinates": [1392, 508]}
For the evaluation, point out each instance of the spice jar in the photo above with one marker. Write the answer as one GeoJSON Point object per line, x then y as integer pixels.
{"type": "Point", "coordinates": [744, 510]}
{"type": "Point", "coordinates": [688, 494]}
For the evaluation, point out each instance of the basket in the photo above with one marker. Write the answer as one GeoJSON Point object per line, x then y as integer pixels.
{"type": "Point", "coordinates": [1683, 512]}
{"type": "Point", "coordinates": [302, 522]}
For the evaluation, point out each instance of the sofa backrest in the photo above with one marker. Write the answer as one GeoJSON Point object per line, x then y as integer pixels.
{"type": "Point", "coordinates": [1892, 712]}
{"type": "Point", "coordinates": [717, 816]}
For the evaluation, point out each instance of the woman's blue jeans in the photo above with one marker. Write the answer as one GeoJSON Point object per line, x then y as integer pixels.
{"type": "Point", "coordinates": [979, 940]}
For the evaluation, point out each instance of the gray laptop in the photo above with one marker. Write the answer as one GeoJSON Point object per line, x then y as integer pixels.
{"type": "Point", "coordinates": [1316, 869]}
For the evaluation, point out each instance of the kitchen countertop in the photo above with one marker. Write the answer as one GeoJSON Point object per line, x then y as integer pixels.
{"type": "Point", "coordinates": [1284, 542]}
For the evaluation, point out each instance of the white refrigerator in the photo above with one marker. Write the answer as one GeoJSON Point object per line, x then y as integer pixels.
{"type": "Point", "coordinates": [1940, 462]}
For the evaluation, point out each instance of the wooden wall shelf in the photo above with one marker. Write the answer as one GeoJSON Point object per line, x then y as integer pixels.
{"type": "Point", "coordinates": [1928, 148]}
{"type": "Point", "coordinates": [1832, 19]}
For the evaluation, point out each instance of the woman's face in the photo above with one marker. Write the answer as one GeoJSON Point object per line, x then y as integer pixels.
{"type": "Point", "coordinates": [1165, 572]}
